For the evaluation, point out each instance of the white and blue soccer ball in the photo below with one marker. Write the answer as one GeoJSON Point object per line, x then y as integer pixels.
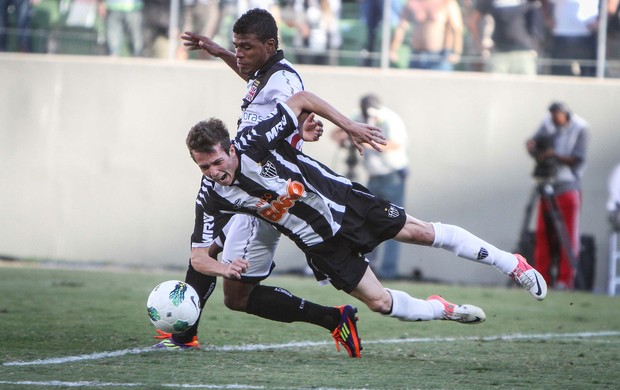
{"type": "Point", "coordinates": [173, 306]}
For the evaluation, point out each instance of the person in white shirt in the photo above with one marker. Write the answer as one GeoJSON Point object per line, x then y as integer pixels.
{"type": "Point", "coordinates": [387, 170]}
{"type": "Point", "coordinates": [574, 24]}
{"type": "Point", "coordinates": [613, 202]}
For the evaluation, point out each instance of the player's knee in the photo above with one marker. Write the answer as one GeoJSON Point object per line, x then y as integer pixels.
{"type": "Point", "coordinates": [236, 294]}
{"type": "Point", "coordinates": [380, 304]}
{"type": "Point", "coordinates": [416, 232]}
{"type": "Point", "coordinates": [235, 303]}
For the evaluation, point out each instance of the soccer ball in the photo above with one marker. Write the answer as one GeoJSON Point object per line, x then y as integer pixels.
{"type": "Point", "coordinates": [173, 306]}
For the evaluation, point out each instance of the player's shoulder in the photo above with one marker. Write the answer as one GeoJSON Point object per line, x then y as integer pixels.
{"type": "Point", "coordinates": [285, 74]}
{"type": "Point", "coordinates": [285, 68]}
{"type": "Point", "coordinates": [287, 64]}
{"type": "Point", "coordinates": [281, 85]}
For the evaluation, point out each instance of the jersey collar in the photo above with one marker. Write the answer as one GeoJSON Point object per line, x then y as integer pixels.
{"type": "Point", "coordinates": [277, 57]}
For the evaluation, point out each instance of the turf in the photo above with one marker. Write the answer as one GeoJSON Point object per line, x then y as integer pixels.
{"type": "Point", "coordinates": [571, 340]}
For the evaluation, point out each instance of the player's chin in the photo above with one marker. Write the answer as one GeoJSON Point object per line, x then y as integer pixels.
{"type": "Point", "coordinates": [243, 69]}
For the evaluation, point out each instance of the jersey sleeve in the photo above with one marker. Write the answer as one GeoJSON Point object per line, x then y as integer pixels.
{"type": "Point", "coordinates": [208, 222]}
{"type": "Point", "coordinates": [286, 84]}
{"type": "Point", "coordinates": [259, 139]}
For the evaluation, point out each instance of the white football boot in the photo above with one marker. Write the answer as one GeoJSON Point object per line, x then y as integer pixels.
{"type": "Point", "coordinates": [464, 314]}
{"type": "Point", "coordinates": [528, 277]}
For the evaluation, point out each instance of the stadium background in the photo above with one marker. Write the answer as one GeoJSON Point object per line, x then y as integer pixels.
{"type": "Point", "coordinates": [93, 166]}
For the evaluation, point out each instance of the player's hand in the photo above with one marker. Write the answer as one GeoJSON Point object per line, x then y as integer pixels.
{"type": "Point", "coordinates": [362, 133]}
{"type": "Point", "coordinates": [236, 268]}
{"type": "Point", "coordinates": [312, 129]}
{"type": "Point", "coordinates": [195, 41]}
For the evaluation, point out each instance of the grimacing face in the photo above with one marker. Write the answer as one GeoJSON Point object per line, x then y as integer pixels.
{"type": "Point", "coordinates": [251, 53]}
{"type": "Point", "coordinates": [218, 165]}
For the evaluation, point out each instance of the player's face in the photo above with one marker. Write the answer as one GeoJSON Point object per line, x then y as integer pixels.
{"type": "Point", "coordinates": [251, 53]}
{"type": "Point", "coordinates": [218, 166]}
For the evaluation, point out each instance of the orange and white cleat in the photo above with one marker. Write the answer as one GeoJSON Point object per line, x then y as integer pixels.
{"type": "Point", "coordinates": [528, 277]}
{"type": "Point", "coordinates": [464, 314]}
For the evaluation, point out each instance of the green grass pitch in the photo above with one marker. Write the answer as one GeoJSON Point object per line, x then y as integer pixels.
{"type": "Point", "coordinates": [67, 328]}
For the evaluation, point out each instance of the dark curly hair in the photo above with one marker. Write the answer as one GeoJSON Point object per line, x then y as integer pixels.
{"type": "Point", "coordinates": [205, 135]}
{"type": "Point", "coordinates": [258, 22]}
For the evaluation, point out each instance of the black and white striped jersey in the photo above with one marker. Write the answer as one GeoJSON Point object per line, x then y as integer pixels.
{"type": "Point", "coordinates": [274, 82]}
{"type": "Point", "coordinates": [301, 197]}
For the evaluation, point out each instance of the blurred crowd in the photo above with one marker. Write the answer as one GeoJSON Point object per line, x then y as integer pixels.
{"type": "Point", "coordinates": [557, 37]}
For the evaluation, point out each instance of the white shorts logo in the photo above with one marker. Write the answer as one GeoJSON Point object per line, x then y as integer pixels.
{"type": "Point", "coordinates": [393, 212]}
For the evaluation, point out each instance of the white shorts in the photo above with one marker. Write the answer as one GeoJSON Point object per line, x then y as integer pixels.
{"type": "Point", "coordinates": [253, 239]}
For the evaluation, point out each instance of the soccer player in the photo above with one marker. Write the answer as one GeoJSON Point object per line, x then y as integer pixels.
{"type": "Point", "coordinates": [332, 220]}
{"type": "Point", "coordinates": [270, 78]}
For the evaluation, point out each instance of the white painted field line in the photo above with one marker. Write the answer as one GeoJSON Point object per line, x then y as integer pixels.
{"type": "Point", "coordinates": [305, 344]}
{"type": "Point", "coordinates": [92, 356]}
{"type": "Point", "coordinates": [91, 384]}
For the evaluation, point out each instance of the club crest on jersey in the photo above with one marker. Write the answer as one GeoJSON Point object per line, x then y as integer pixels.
{"type": "Point", "coordinates": [269, 171]}
{"type": "Point", "coordinates": [392, 212]}
{"type": "Point", "coordinates": [252, 91]}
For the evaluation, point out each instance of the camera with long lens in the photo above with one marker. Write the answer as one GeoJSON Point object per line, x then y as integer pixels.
{"type": "Point", "coordinates": [547, 168]}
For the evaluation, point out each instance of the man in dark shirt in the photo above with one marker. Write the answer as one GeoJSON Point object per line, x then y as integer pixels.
{"type": "Point", "coordinates": [514, 37]}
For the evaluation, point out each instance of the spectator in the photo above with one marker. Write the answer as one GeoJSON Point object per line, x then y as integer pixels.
{"type": "Point", "coordinates": [613, 36]}
{"type": "Point", "coordinates": [317, 23]}
{"type": "Point", "coordinates": [475, 52]}
{"type": "Point", "coordinates": [156, 25]}
{"type": "Point", "coordinates": [436, 34]}
{"type": "Point", "coordinates": [123, 16]}
{"type": "Point", "coordinates": [202, 17]}
{"type": "Point", "coordinates": [387, 171]}
{"type": "Point", "coordinates": [573, 24]}
{"type": "Point", "coordinates": [515, 34]}
{"type": "Point", "coordinates": [21, 20]}
{"type": "Point", "coordinates": [371, 13]}
{"type": "Point", "coordinates": [559, 148]}
{"type": "Point", "coordinates": [273, 6]}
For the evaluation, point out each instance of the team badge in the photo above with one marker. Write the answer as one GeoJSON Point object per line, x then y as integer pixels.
{"type": "Point", "coordinates": [392, 212]}
{"type": "Point", "coordinates": [269, 171]}
{"type": "Point", "coordinates": [482, 254]}
{"type": "Point", "coordinates": [252, 91]}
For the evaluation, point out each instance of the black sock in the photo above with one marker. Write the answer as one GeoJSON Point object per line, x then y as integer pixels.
{"type": "Point", "coordinates": [204, 286]}
{"type": "Point", "coordinates": [277, 304]}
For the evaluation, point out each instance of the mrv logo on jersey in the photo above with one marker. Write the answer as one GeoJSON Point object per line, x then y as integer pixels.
{"type": "Point", "coordinates": [273, 132]}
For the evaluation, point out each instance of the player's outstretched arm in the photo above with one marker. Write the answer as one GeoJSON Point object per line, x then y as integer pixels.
{"type": "Point", "coordinates": [360, 133]}
{"type": "Point", "coordinates": [205, 264]}
{"type": "Point", "coordinates": [195, 41]}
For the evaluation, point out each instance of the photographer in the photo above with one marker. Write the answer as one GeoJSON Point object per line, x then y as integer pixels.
{"type": "Point", "coordinates": [559, 149]}
{"type": "Point", "coordinates": [387, 170]}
